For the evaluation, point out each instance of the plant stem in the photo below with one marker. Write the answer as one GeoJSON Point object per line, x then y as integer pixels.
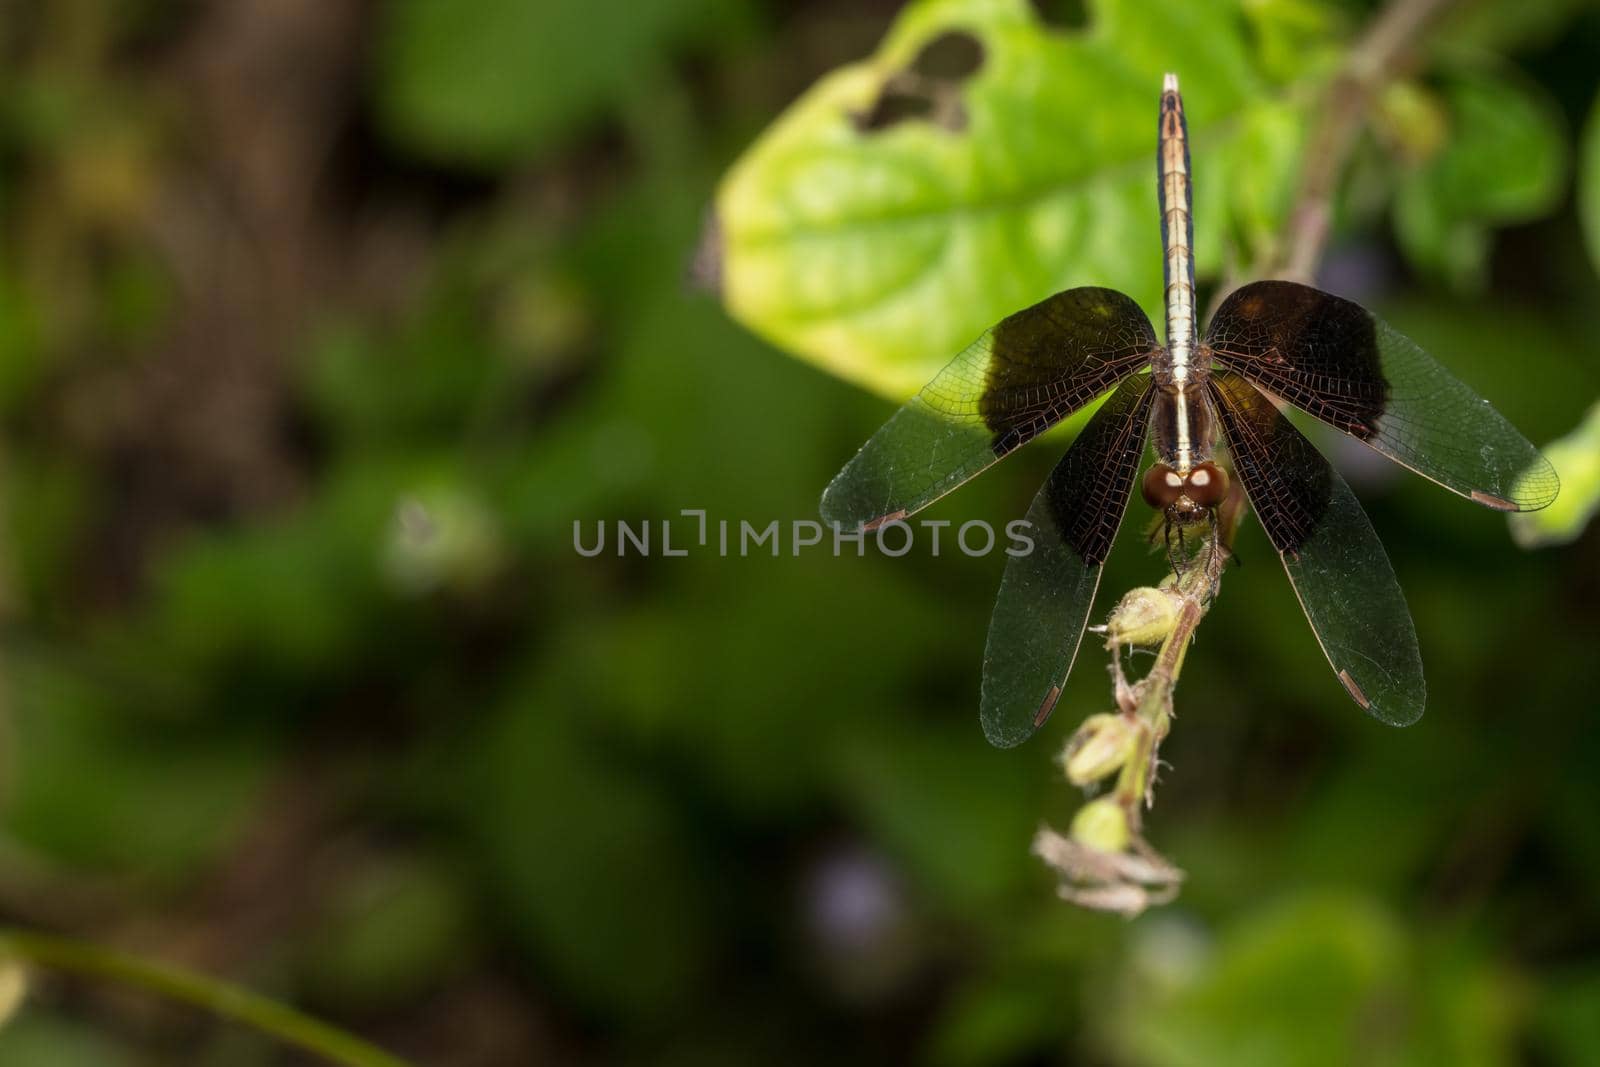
{"type": "Point", "coordinates": [1196, 585]}
{"type": "Point", "coordinates": [1370, 64]}
{"type": "Point", "coordinates": [218, 997]}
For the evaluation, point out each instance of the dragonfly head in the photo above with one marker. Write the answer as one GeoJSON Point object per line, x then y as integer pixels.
{"type": "Point", "coordinates": [1185, 497]}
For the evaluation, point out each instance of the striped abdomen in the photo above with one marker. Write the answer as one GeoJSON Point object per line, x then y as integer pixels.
{"type": "Point", "coordinates": [1177, 227]}
{"type": "Point", "coordinates": [1183, 427]}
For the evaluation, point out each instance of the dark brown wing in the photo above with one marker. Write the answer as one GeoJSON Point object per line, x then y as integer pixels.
{"type": "Point", "coordinates": [1016, 381]}
{"type": "Point", "coordinates": [1335, 561]}
{"type": "Point", "coordinates": [1338, 362]}
{"type": "Point", "coordinates": [1046, 594]}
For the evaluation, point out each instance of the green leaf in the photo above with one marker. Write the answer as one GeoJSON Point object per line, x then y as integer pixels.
{"type": "Point", "coordinates": [958, 821]}
{"type": "Point", "coordinates": [593, 865]}
{"type": "Point", "coordinates": [1327, 978]}
{"type": "Point", "coordinates": [393, 931]}
{"type": "Point", "coordinates": [1576, 458]}
{"type": "Point", "coordinates": [892, 215]}
{"type": "Point", "coordinates": [1315, 961]}
{"type": "Point", "coordinates": [39, 1038]}
{"type": "Point", "coordinates": [1504, 28]}
{"type": "Point", "coordinates": [1569, 1017]}
{"type": "Point", "coordinates": [483, 81]}
{"type": "Point", "coordinates": [105, 788]}
{"type": "Point", "coordinates": [1289, 33]}
{"type": "Point", "coordinates": [1504, 162]}
{"type": "Point", "coordinates": [1589, 183]}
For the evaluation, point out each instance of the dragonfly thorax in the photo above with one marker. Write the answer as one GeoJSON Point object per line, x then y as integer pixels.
{"type": "Point", "coordinates": [1184, 428]}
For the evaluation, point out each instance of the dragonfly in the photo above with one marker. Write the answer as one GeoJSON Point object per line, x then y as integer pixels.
{"type": "Point", "coordinates": [1269, 344]}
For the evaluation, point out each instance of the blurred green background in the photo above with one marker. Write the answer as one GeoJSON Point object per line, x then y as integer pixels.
{"type": "Point", "coordinates": [321, 321]}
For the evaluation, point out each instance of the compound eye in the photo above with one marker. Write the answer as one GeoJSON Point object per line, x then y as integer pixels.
{"type": "Point", "coordinates": [1162, 486]}
{"type": "Point", "coordinates": [1208, 485]}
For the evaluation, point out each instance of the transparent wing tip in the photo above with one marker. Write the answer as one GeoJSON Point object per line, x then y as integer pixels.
{"type": "Point", "coordinates": [1003, 730]}
{"type": "Point", "coordinates": [838, 510]}
{"type": "Point", "coordinates": [1392, 710]}
{"type": "Point", "coordinates": [1535, 488]}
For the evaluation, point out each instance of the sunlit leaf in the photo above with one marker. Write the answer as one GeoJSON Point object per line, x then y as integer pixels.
{"type": "Point", "coordinates": [1576, 458]}
{"type": "Point", "coordinates": [893, 214]}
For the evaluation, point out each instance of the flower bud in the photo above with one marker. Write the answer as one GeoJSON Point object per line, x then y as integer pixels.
{"type": "Point", "coordinates": [1101, 825]}
{"type": "Point", "coordinates": [1100, 747]}
{"type": "Point", "coordinates": [1144, 616]}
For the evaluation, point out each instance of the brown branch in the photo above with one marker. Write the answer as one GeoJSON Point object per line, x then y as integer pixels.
{"type": "Point", "coordinates": [1373, 61]}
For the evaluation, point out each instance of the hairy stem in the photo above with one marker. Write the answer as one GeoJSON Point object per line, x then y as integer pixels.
{"type": "Point", "coordinates": [1196, 586]}
{"type": "Point", "coordinates": [210, 994]}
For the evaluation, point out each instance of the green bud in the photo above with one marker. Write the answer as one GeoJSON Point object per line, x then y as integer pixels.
{"type": "Point", "coordinates": [1413, 121]}
{"type": "Point", "coordinates": [13, 988]}
{"type": "Point", "coordinates": [1100, 747]}
{"type": "Point", "coordinates": [1144, 616]}
{"type": "Point", "coordinates": [1101, 825]}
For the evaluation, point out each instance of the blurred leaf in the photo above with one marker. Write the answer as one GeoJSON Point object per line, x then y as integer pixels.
{"type": "Point", "coordinates": [482, 81]}
{"type": "Point", "coordinates": [393, 931]}
{"type": "Point", "coordinates": [423, 381]}
{"type": "Point", "coordinates": [103, 788]}
{"type": "Point", "coordinates": [48, 499]}
{"type": "Point", "coordinates": [1504, 162]}
{"type": "Point", "coordinates": [39, 1040]}
{"type": "Point", "coordinates": [1589, 183]}
{"type": "Point", "coordinates": [1281, 988]}
{"type": "Point", "coordinates": [298, 599]}
{"type": "Point", "coordinates": [1318, 979]}
{"type": "Point", "coordinates": [1506, 27]}
{"type": "Point", "coordinates": [13, 989]}
{"type": "Point", "coordinates": [891, 216]}
{"type": "Point", "coordinates": [1569, 1017]}
{"type": "Point", "coordinates": [959, 819]}
{"type": "Point", "coordinates": [287, 598]}
{"type": "Point", "coordinates": [1001, 1022]}
{"type": "Point", "coordinates": [1576, 458]}
{"type": "Point", "coordinates": [22, 356]}
{"type": "Point", "coordinates": [1292, 35]}
{"type": "Point", "coordinates": [591, 863]}
{"type": "Point", "coordinates": [1412, 120]}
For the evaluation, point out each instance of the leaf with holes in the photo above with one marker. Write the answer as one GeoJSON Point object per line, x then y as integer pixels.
{"type": "Point", "coordinates": [980, 161]}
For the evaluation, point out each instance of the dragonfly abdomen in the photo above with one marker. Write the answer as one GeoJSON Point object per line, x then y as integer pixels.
{"type": "Point", "coordinates": [1177, 228]}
